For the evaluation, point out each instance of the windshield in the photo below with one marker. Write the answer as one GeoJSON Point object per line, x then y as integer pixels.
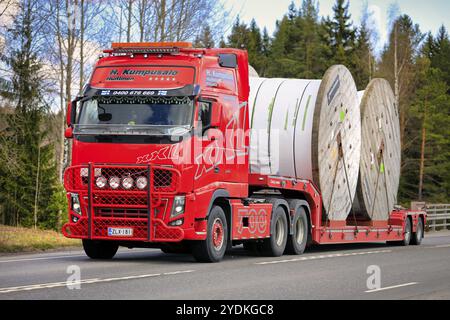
{"type": "Point", "coordinates": [135, 115]}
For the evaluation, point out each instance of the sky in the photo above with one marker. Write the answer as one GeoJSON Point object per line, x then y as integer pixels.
{"type": "Point", "coordinates": [429, 14]}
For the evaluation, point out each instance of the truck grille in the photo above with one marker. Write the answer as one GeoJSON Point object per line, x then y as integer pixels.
{"type": "Point", "coordinates": [120, 213]}
{"type": "Point", "coordinates": [164, 180]}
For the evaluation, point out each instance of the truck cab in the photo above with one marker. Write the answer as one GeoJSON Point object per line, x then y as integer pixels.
{"type": "Point", "coordinates": [158, 136]}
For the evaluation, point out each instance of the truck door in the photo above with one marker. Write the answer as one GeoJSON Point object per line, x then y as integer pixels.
{"type": "Point", "coordinates": [208, 149]}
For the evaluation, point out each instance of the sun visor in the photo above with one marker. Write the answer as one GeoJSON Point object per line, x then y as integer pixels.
{"type": "Point", "coordinates": [143, 77]}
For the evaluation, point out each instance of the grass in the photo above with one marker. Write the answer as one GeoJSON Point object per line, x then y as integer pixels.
{"type": "Point", "coordinates": [18, 239]}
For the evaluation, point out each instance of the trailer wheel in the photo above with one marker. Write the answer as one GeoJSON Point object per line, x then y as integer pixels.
{"type": "Point", "coordinates": [102, 250]}
{"type": "Point", "coordinates": [296, 242]}
{"type": "Point", "coordinates": [275, 245]}
{"type": "Point", "coordinates": [213, 248]}
{"type": "Point", "coordinates": [407, 235]}
{"type": "Point", "coordinates": [418, 235]}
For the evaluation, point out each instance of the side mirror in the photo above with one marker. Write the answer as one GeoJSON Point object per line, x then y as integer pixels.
{"type": "Point", "coordinates": [228, 60]}
{"type": "Point", "coordinates": [216, 115]}
{"type": "Point", "coordinates": [68, 134]}
{"type": "Point", "coordinates": [71, 113]}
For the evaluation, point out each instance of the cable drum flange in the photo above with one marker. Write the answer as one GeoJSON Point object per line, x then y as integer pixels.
{"type": "Point", "coordinates": [379, 176]}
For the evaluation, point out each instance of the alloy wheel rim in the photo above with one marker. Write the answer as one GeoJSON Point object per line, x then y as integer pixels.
{"type": "Point", "coordinates": [218, 234]}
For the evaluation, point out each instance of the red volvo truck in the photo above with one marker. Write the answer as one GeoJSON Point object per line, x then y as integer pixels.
{"type": "Point", "coordinates": [160, 159]}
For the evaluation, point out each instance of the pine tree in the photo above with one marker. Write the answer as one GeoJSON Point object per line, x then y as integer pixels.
{"type": "Point", "coordinates": [240, 35]}
{"type": "Point", "coordinates": [265, 52]}
{"type": "Point", "coordinates": [398, 67]}
{"type": "Point", "coordinates": [430, 113]}
{"type": "Point", "coordinates": [363, 59]}
{"type": "Point", "coordinates": [282, 61]}
{"type": "Point", "coordinates": [342, 34]}
{"type": "Point", "coordinates": [311, 51]}
{"type": "Point", "coordinates": [29, 182]}
{"type": "Point", "coordinates": [205, 39]}
{"type": "Point", "coordinates": [249, 38]}
{"type": "Point", "coordinates": [254, 47]}
{"type": "Point", "coordinates": [439, 53]}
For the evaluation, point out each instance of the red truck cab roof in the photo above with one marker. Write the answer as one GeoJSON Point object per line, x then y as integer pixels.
{"type": "Point", "coordinates": [163, 67]}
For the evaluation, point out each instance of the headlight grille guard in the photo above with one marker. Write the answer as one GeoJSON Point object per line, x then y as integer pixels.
{"type": "Point", "coordinates": [162, 182]}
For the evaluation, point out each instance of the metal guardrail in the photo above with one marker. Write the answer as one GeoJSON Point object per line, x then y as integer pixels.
{"type": "Point", "coordinates": [438, 216]}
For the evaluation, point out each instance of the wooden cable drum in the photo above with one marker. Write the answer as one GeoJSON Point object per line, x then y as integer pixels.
{"type": "Point", "coordinates": [296, 129]}
{"type": "Point", "coordinates": [379, 176]}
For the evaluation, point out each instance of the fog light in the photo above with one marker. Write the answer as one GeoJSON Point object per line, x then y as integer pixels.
{"type": "Point", "coordinates": [178, 206]}
{"type": "Point", "coordinates": [141, 183]}
{"type": "Point", "coordinates": [177, 223]}
{"type": "Point", "coordinates": [127, 183]}
{"type": "Point", "coordinates": [100, 182]}
{"type": "Point", "coordinates": [75, 203]}
{"type": "Point", "coordinates": [74, 219]}
{"type": "Point", "coordinates": [114, 182]}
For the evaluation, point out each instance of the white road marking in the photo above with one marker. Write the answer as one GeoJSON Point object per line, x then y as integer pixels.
{"type": "Point", "coordinates": [66, 256]}
{"type": "Point", "coordinates": [335, 255]}
{"type": "Point", "coordinates": [87, 281]}
{"type": "Point", "coordinates": [441, 246]}
{"type": "Point", "coordinates": [392, 287]}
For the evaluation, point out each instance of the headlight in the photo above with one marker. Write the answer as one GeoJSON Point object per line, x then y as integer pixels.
{"type": "Point", "coordinates": [114, 182]}
{"type": "Point", "coordinates": [141, 183]}
{"type": "Point", "coordinates": [75, 203]}
{"type": "Point", "coordinates": [178, 206]}
{"type": "Point", "coordinates": [127, 183]}
{"type": "Point", "coordinates": [84, 172]}
{"type": "Point", "coordinates": [100, 182]}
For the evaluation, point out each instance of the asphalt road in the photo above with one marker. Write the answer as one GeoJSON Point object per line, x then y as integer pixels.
{"type": "Point", "coordinates": [326, 272]}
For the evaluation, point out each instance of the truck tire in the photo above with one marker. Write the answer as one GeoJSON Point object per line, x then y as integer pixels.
{"type": "Point", "coordinates": [102, 250]}
{"type": "Point", "coordinates": [418, 235]}
{"type": "Point", "coordinates": [407, 235]}
{"type": "Point", "coordinates": [296, 243]}
{"type": "Point", "coordinates": [275, 245]}
{"type": "Point", "coordinates": [213, 248]}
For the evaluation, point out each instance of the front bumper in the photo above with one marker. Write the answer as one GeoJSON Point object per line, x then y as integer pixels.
{"type": "Point", "coordinates": [143, 211]}
{"type": "Point", "coordinates": [159, 232]}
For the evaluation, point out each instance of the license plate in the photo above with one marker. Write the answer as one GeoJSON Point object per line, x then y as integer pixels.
{"type": "Point", "coordinates": [120, 232]}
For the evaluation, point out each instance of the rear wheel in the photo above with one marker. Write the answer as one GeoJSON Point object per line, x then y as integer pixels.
{"type": "Point", "coordinates": [406, 236]}
{"type": "Point", "coordinates": [418, 235]}
{"type": "Point", "coordinates": [213, 248]}
{"type": "Point", "coordinates": [103, 250]}
{"type": "Point", "coordinates": [275, 245]}
{"type": "Point", "coordinates": [296, 242]}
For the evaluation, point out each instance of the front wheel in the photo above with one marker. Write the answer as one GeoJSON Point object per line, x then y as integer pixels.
{"type": "Point", "coordinates": [213, 248]}
{"type": "Point", "coordinates": [102, 250]}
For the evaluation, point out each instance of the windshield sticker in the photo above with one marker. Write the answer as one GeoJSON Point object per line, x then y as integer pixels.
{"type": "Point", "coordinates": [223, 79]}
